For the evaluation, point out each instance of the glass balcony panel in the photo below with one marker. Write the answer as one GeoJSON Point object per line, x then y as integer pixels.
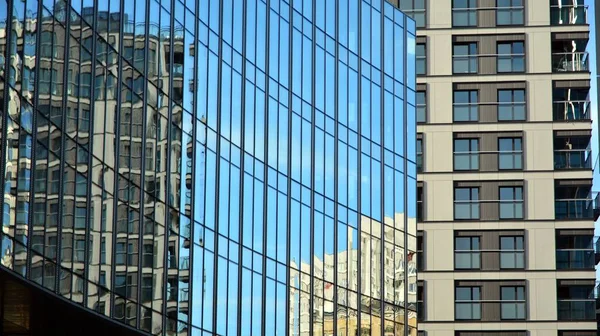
{"type": "Point", "coordinates": [577, 310]}
{"type": "Point", "coordinates": [571, 110]}
{"type": "Point", "coordinates": [572, 159]}
{"type": "Point", "coordinates": [570, 62]}
{"type": "Point", "coordinates": [575, 259]}
{"type": "Point", "coordinates": [568, 15]}
{"type": "Point", "coordinates": [573, 209]}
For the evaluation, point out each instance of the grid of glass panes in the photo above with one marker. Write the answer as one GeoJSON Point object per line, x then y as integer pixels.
{"type": "Point", "coordinates": [113, 224]}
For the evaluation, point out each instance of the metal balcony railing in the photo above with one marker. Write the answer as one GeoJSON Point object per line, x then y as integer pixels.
{"type": "Point", "coordinates": [568, 15]}
{"type": "Point", "coordinates": [571, 110]}
{"type": "Point", "coordinates": [502, 160]}
{"type": "Point", "coordinates": [566, 159]}
{"type": "Point", "coordinates": [577, 208]}
{"type": "Point", "coordinates": [473, 209]}
{"type": "Point", "coordinates": [570, 62]}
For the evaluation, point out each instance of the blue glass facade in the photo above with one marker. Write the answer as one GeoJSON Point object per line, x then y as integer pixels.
{"type": "Point", "coordinates": [214, 167]}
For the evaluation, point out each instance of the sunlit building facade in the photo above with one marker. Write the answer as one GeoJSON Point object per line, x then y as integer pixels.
{"type": "Point", "coordinates": [212, 167]}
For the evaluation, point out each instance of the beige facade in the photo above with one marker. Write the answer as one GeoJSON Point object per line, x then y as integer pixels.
{"type": "Point", "coordinates": [548, 171]}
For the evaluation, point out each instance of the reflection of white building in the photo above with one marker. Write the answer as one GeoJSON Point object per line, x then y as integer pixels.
{"type": "Point", "coordinates": [371, 269]}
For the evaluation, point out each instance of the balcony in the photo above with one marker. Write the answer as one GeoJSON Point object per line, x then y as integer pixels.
{"type": "Point", "coordinates": [585, 208]}
{"type": "Point", "coordinates": [597, 250]}
{"type": "Point", "coordinates": [574, 200]}
{"type": "Point", "coordinates": [575, 259]}
{"type": "Point", "coordinates": [570, 62]}
{"type": "Point", "coordinates": [561, 15]}
{"type": "Point", "coordinates": [577, 309]}
{"type": "Point", "coordinates": [573, 159]}
{"type": "Point", "coordinates": [571, 110]}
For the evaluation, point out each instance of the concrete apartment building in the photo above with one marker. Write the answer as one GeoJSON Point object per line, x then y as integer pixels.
{"type": "Point", "coordinates": [506, 210]}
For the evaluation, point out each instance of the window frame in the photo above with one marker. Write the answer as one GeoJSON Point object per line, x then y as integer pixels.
{"type": "Point", "coordinates": [474, 301]}
{"type": "Point", "coordinates": [409, 7]}
{"type": "Point", "coordinates": [517, 164]}
{"type": "Point", "coordinates": [421, 59]}
{"type": "Point", "coordinates": [471, 154]}
{"type": "Point", "coordinates": [472, 7]}
{"type": "Point", "coordinates": [515, 253]}
{"type": "Point", "coordinates": [421, 105]}
{"type": "Point", "coordinates": [516, 302]}
{"type": "Point", "coordinates": [472, 106]}
{"type": "Point", "coordinates": [472, 58]}
{"type": "Point", "coordinates": [512, 57]}
{"type": "Point", "coordinates": [419, 155]}
{"type": "Point", "coordinates": [470, 202]}
{"type": "Point", "coordinates": [511, 10]}
{"type": "Point", "coordinates": [512, 104]}
{"type": "Point", "coordinates": [474, 252]}
{"type": "Point", "coordinates": [515, 202]}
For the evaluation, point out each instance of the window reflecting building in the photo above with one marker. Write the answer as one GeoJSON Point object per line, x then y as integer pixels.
{"type": "Point", "coordinates": [213, 167]}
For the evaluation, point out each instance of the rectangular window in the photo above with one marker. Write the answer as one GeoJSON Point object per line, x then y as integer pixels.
{"type": "Point", "coordinates": [120, 254]}
{"type": "Point", "coordinates": [103, 251]}
{"type": "Point", "coordinates": [466, 203]}
{"type": "Point", "coordinates": [510, 154]}
{"type": "Point", "coordinates": [464, 13]}
{"type": "Point", "coordinates": [420, 204]}
{"type": "Point", "coordinates": [121, 284]}
{"type": "Point", "coordinates": [511, 202]}
{"type": "Point", "coordinates": [465, 106]}
{"type": "Point", "coordinates": [465, 58]}
{"type": "Point", "coordinates": [80, 215]}
{"type": "Point", "coordinates": [102, 280]}
{"type": "Point", "coordinates": [148, 257]}
{"type": "Point", "coordinates": [467, 254]}
{"type": "Point", "coordinates": [512, 252]}
{"type": "Point", "coordinates": [420, 256]}
{"type": "Point", "coordinates": [511, 105]}
{"type": "Point", "coordinates": [131, 255]}
{"type": "Point", "coordinates": [513, 303]}
{"type": "Point", "coordinates": [421, 106]}
{"type": "Point", "coordinates": [468, 303]}
{"type": "Point", "coordinates": [79, 249]}
{"type": "Point", "coordinates": [421, 59]}
{"type": "Point", "coordinates": [466, 154]}
{"type": "Point", "coordinates": [419, 155]}
{"type": "Point", "coordinates": [509, 12]}
{"type": "Point", "coordinates": [85, 85]}
{"type": "Point", "coordinates": [416, 10]}
{"type": "Point", "coordinates": [146, 288]}
{"type": "Point", "coordinates": [511, 57]}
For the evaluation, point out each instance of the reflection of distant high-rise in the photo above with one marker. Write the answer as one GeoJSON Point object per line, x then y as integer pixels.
{"type": "Point", "coordinates": [210, 167]}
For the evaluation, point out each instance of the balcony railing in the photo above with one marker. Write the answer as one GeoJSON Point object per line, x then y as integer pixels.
{"type": "Point", "coordinates": [577, 208]}
{"type": "Point", "coordinates": [503, 259]}
{"type": "Point", "coordinates": [568, 15]}
{"type": "Point", "coordinates": [492, 160]}
{"type": "Point", "coordinates": [577, 310]}
{"type": "Point", "coordinates": [566, 159]}
{"type": "Point", "coordinates": [568, 259]}
{"type": "Point", "coordinates": [500, 209]}
{"type": "Point", "coordinates": [499, 310]}
{"type": "Point", "coordinates": [570, 62]}
{"type": "Point", "coordinates": [571, 110]}
{"type": "Point", "coordinates": [504, 63]}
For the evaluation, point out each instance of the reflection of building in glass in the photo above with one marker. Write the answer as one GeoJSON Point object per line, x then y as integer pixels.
{"type": "Point", "coordinates": [195, 167]}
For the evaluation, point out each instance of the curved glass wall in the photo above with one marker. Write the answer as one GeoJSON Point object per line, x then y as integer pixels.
{"type": "Point", "coordinates": [213, 167]}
